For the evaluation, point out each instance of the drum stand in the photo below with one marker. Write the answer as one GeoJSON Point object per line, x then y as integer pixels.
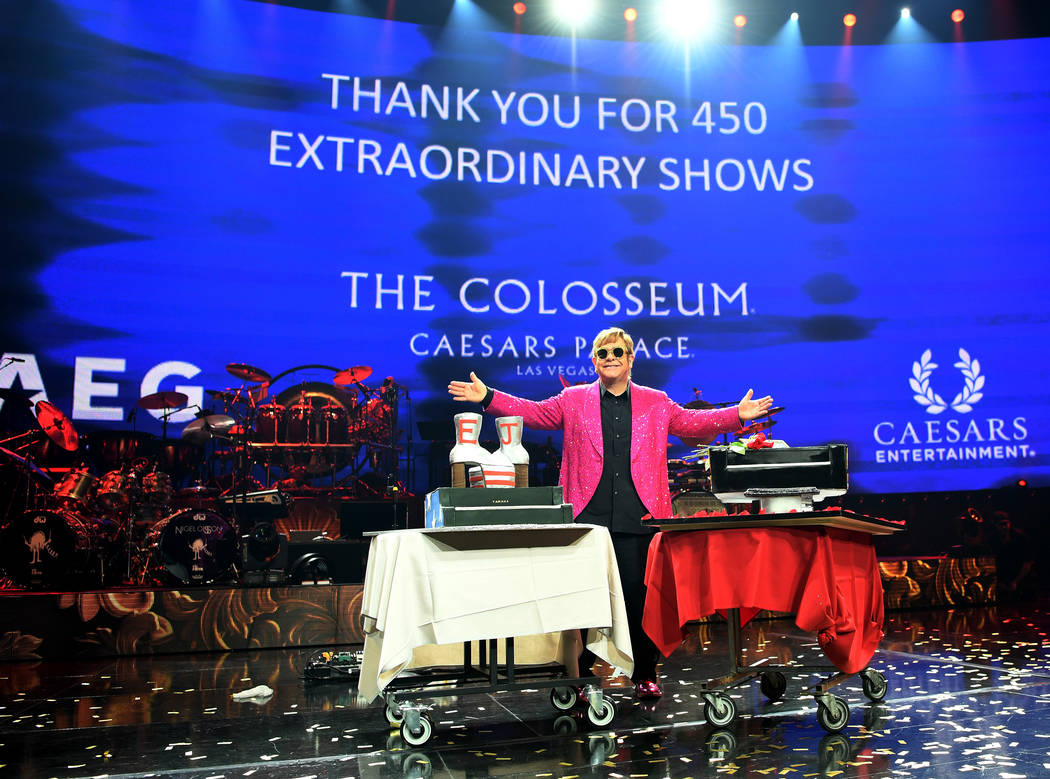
{"type": "Point", "coordinates": [389, 394]}
{"type": "Point", "coordinates": [242, 466]}
{"type": "Point", "coordinates": [409, 464]}
{"type": "Point", "coordinates": [164, 422]}
{"type": "Point", "coordinates": [130, 530]}
{"type": "Point", "coordinates": [27, 464]}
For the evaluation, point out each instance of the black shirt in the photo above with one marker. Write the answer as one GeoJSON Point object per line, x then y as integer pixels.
{"type": "Point", "coordinates": [615, 503]}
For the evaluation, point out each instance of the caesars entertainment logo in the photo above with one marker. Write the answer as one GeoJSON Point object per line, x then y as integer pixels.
{"type": "Point", "coordinates": [951, 429]}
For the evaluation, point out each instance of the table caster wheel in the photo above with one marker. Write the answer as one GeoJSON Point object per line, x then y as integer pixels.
{"type": "Point", "coordinates": [719, 709]}
{"type": "Point", "coordinates": [604, 714]}
{"type": "Point", "coordinates": [874, 684]}
{"type": "Point", "coordinates": [564, 698]}
{"type": "Point", "coordinates": [832, 713]}
{"type": "Point", "coordinates": [773, 684]}
{"type": "Point", "coordinates": [394, 715]}
{"type": "Point", "coordinates": [420, 736]}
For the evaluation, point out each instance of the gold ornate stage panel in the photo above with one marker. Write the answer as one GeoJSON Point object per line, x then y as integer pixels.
{"type": "Point", "coordinates": [142, 622]}
{"type": "Point", "coordinates": [127, 622]}
{"type": "Point", "coordinates": [938, 581]}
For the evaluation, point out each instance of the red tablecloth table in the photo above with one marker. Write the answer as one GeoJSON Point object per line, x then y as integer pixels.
{"type": "Point", "coordinates": [826, 576]}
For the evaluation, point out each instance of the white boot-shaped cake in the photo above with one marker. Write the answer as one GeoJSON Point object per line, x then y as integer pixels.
{"type": "Point", "coordinates": [510, 430]}
{"type": "Point", "coordinates": [467, 451]}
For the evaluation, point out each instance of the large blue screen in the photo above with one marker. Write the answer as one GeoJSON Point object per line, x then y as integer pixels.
{"type": "Point", "coordinates": [859, 231]}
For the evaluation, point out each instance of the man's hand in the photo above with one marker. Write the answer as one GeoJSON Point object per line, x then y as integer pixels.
{"type": "Point", "coordinates": [748, 409]}
{"type": "Point", "coordinates": [473, 391]}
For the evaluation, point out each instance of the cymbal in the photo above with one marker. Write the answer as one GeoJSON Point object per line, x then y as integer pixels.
{"type": "Point", "coordinates": [57, 426]}
{"type": "Point", "coordinates": [17, 396]}
{"type": "Point", "coordinates": [772, 411]}
{"type": "Point", "coordinates": [247, 372]}
{"type": "Point", "coordinates": [352, 375]}
{"type": "Point", "coordinates": [159, 400]}
{"type": "Point", "coordinates": [206, 428]}
{"type": "Point", "coordinates": [197, 491]}
{"type": "Point", "coordinates": [698, 403]}
{"type": "Point", "coordinates": [755, 427]}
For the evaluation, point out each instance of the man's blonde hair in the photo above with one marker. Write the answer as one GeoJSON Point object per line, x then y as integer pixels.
{"type": "Point", "coordinates": [611, 334]}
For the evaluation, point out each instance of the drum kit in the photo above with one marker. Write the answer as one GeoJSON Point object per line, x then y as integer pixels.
{"type": "Point", "coordinates": [309, 430]}
{"type": "Point", "coordinates": [689, 473]}
{"type": "Point", "coordinates": [132, 508]}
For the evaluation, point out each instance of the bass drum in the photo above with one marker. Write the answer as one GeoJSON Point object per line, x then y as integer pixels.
{"type": "Point", "coordinates": [51, 548]}
{"type": "Point", "coordinates": [193, 546]}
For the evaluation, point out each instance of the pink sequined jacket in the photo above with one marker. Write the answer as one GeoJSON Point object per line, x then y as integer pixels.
{"type": "Point", "coordinates": [576, 411]}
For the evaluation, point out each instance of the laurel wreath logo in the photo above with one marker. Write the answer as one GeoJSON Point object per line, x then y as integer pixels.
{"type": "Point", "coordinates": [963, 401]}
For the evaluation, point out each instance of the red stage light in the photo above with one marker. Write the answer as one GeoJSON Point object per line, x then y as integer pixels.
{"type": "Point", "coordinates": [1022, 482]}
{"type": "Point", "coordinates": [849, 20]}
{"type": "Point", "coordinates": [739, 20]}
{"type": "Point", "coordinates": [958, 15]}
{"type": "Point", "coordinates": [519, 8]}
{"type": "Point", "coordinates": [630, 14]}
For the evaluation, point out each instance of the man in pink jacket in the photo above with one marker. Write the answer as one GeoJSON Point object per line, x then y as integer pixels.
{"type": "Point", "coordinates": [614, 461]}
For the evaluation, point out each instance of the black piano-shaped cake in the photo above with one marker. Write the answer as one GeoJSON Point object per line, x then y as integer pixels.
{"type": "Point", "coordinates": [786, 482]}
{"type": "Point", "coordinates": [782, 479]}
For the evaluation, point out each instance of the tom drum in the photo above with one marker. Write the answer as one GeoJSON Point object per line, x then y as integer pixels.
{"type": "Point", "coordinates": [76, 488]}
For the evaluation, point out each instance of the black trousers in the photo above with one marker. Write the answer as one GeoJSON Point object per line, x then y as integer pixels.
{"type": "Point", "coordinates": [631, 551]}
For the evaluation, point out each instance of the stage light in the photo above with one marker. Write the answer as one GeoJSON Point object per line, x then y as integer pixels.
{"type": "Point", "coordinates": [519, 9]}
{"type": "Point", "coordinates": [794, 16]}
{"type": "Point", "coordinates": [740, 20]}
{"type": "Point", "coordinates": [849, 20]}
{"type": "Point", "coordinates": [573, 12]}
{"type": "Point", "coordinates": [1022, 482]}
{"type": "Point", "coordinates": [908, 30]}
{"type": "Point", "coordinates": [630, 14]}
{"type": "Point", "coordinates": [958, 15]}
{"type": "Point", "coordinates": [310, 569]}
{"type": "Point", "coordinates": [264, 542]}
{"type": "Point", "coordinates": [685, 18]}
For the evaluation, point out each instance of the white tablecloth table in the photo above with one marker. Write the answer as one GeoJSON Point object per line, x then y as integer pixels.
{"type": "Point", "coordinates": [437, 588]}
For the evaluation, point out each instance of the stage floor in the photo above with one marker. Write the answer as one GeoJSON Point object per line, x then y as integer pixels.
{"type": "Point", "coordinates": [969, 690]}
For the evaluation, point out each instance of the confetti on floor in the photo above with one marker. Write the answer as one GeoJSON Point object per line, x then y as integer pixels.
{"type": "Point", "coordinates": [961, 699]}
